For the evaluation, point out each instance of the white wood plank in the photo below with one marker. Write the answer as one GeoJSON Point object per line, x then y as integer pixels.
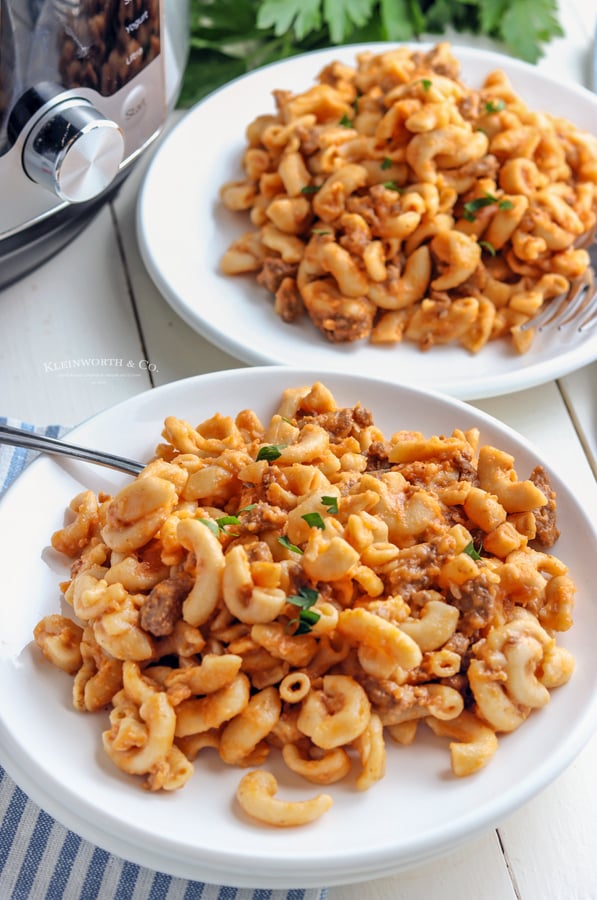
{"type": "Point", "coordinates": [74, 308]}
{"type": "Point", "coordinates": [550, 843]}
{"type": "Point", "coordinates": [540, 415]}
{"type": "Point", "coordinates": [580, 391]}
{"type": "Point", "coordinates": [174, 348]}
{"type": "Point", "coordinates": [475, 870]}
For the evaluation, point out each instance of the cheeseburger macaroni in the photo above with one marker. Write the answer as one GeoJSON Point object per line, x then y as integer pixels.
{"type": "Point", "coordinates": [312, 588]}
{"type": "Point", "coordinates": [390, 201]}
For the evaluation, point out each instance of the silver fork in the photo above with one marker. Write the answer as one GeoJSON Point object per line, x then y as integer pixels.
{"type": "Point", "coordinates": [577, 308]}
{"type": "Point", "coordinates": [18, 437]}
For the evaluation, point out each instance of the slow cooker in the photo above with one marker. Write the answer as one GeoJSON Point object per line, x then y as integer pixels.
{"type": "Point", "coordinates": [85, 88]}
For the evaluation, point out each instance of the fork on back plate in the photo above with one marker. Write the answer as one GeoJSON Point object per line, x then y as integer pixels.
{"type": "Point", "coordinates": [575, 311]}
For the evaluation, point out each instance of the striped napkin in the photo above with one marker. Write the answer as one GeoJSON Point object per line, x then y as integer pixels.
{"type": "Point", "coordinates": [40, 859]}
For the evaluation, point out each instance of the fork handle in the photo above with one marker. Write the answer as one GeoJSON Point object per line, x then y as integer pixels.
{"type": "Point", "coordinates": [18, 437]}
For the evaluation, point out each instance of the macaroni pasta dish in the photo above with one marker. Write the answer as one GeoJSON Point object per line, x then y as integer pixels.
{"type": "Point", "coordinates": [390, 201]}
{"type": "Point", "coordinates": [310, 587]}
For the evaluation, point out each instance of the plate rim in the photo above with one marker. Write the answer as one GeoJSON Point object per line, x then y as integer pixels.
{"type": "Point", "coordinates": [568, 750]}
{"type": "Point", "coordinates": [528, 373]}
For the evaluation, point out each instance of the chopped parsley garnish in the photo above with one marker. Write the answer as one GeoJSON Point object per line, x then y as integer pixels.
{"type": "Point", "coordinates": [386, 163]}
{"type": "Point", "coordinates": [288, 544]}
{"type": "Point", "coordinates": [217, 526]}
{"type": "Point", "coordinates": [390, 185]}
{"type": "Point", "coordinates": [426, 82]}
{"type": "Point", "coordinates": [307, 617]}
{"type": "Point", "coordinates": [314, 520]}
{"type": "Point", "coordinates": [310, 189]}
{"type": "Point", "coordinates": [473, 206]}
{"type": "Point", "coordinates": [472, 551]}
{"type": "Point", "coordinates": [488, 246]}
{"type": "Point", "coordinates": [493, 106]}
{"type": "Point", "coordinates": [320, 231]}
{"type": "Point", "coordinates": [331, 504]}
{"type": "Point", "coordinates": [345, 121]}
{"type": "Point", "coordinates": [213, 526]}
{"type": "Point", "coordinates": [270, 452]}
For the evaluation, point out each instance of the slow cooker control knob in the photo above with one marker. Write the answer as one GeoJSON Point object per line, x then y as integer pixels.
{"type": "Point", "coordinates": [73, 150]}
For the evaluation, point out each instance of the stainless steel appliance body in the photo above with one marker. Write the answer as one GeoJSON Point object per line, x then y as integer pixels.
{"type": "Point", "coordinates": [85, 88]}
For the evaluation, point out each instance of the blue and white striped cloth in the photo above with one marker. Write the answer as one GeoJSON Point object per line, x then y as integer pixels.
{"type": "Point", "coordinates": [40, 859]}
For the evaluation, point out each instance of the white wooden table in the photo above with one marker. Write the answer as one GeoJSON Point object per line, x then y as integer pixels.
{"type": "Point", "coordinates": [95, 301]}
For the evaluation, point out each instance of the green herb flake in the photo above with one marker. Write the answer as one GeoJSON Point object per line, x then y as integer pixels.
{"type": "Point", "coordinates": [213, 526]}
{"type": "Point", "coordinates": [285, 542]}
{"type": "Point", "coordinates": [391, 185]}
{"type": "Point", "coordinates": [473, 206]}
{"type": "Point", "coordinates": [488, 246]}
{"type": "Point", "coordinates": [310, 189]}
{"type": "Point", "coordinates": [426, 82]}
{"type": "Point", "coordinates": [472, 551]}
{"type": "Point", "coordinates": [331, 504]}
{"type": "Point", "coordinates": [505, 204]}
{"type": "Point", "coordinates": [270, 452]}
{"type": "Point", "coordinates": [305, 599]}
{"type": "Point", "coordinates": [224, 521]}
{"type": "Point", "coordinates": [386, 163]}
{"type": "Point", "coordinates": [494, 106]}
{"type": "Point", "coordinates": [314, 520]}
{"type": "Point", "coordinates": [320, 231]}
{"type": "Point", "coordinates": [345, 121]}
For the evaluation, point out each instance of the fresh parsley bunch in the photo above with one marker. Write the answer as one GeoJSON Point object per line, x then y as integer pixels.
{"type": "Point", "coordinates": [231, 37]}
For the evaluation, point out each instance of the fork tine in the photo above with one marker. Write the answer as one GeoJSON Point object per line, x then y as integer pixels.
{"type": "Point", "coordinates": [548, 315]}
{"type": "Point", "coordinates": [578, 304]}
{"type": "Point", "coordinates": [590, 317]}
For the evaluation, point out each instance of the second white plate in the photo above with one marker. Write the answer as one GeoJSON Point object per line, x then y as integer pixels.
{"type": "Point", "coordinates": [184, 230]}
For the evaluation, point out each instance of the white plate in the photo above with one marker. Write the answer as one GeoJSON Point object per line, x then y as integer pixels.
{"type": "Point", "coordinates": [418, 811]}
{"type": "Point", "coordinates": [184, 230]}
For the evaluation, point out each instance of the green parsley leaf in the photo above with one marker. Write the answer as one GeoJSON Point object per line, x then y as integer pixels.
{"type": "Point", "coordinates": [302, 16]}
{"type": "Point", "coordinates": [488, 246]}
{"type": "Point", "coordinates": [320, 231]}
{"type": "Point", "coordinates": [391, 185]}
{"type": "Point", "coordinates": [270, 452]}
{"type": "Point", "coordinates": [213, 526]}
{"type": "Point", "coordinates": [218, 526]}
{"type": "Point", "coordinates": [505, 204]}
{"type": "Point", "coordinates": [494, 106]}
{"type": "Point", "coordinates": [472, 551]}
{"type": "Point", "coordinates": [227, 520]}
{"type": "Point", "coordinates": [305, 599]}
{"type": "Point", "coordinates": [229, 38]}
{"type": "Point", "coordinates": [426, 82]}
{"type": "Point", "coordinates": [314, 520]}
{"type": "Point", "coordinates": [305, 622]}
{"type": "Point", "coordinates": [473, 206]}
{"type": "Point", "coordinates": [525, 27]}
{"type": "Point", "coordinates": [310, 189]}
{"type": "Point", "coordinates": [287, 543]}
{"type": "Point", "coordinates": [345, 121]}
{"type": "Point", "coordinates": [331, 504]}
{"type": "Point", "coordinates": [386, 163]}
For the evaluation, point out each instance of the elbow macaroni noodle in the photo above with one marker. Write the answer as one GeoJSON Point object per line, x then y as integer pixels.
{"type": "Point", "coordinates": [310, 587]}
{"type": "Point", "coordinates": [391, 202]}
